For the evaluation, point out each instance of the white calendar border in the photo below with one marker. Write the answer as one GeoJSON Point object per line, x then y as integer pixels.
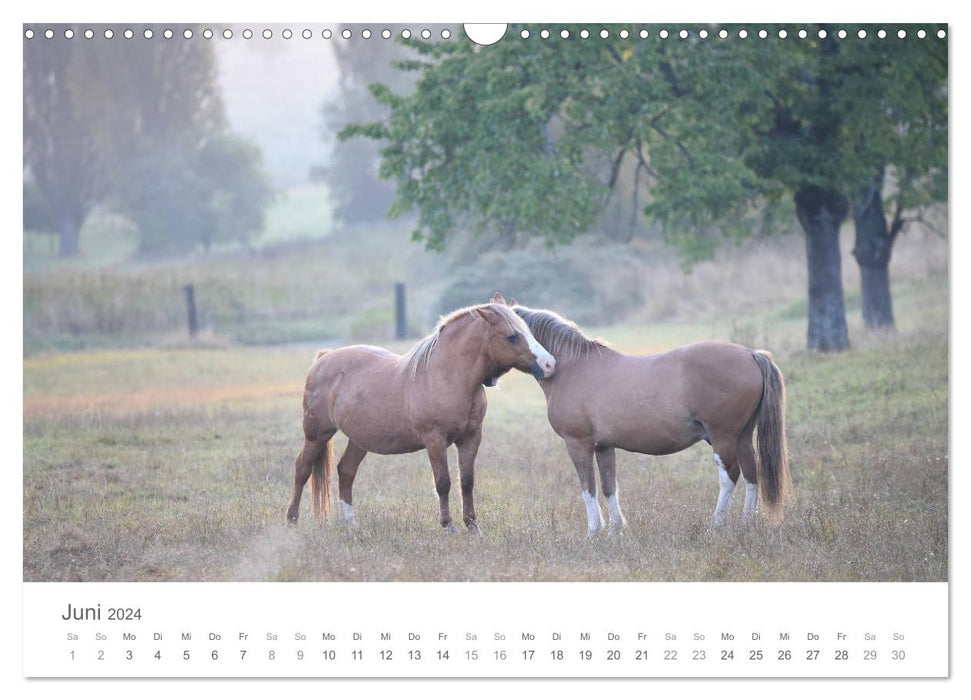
{"type": "Point", "coordinates": [495, 10]}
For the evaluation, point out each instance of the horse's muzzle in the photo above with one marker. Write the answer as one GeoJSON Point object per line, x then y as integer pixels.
{"type": "Point", "coordinates": [543, 368]}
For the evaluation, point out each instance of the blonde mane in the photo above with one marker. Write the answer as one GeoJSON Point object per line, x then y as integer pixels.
{"type": "Point", "coordinates": [562, 338]}
{"type": "Point", "coordinates": [417, 358]}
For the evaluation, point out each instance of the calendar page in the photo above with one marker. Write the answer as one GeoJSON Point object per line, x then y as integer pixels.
{"type": "Point", "coordinates": [431, 350]}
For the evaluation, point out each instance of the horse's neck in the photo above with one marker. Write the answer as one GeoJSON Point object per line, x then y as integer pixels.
{"type": "Point", "coordinates": [461, 358]}
{"type": "Point", "coordinates": [570, 370]}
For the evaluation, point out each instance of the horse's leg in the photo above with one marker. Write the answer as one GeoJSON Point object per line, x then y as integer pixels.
{"type": "Point", "coordinates": [746, 461]}
{"type": "Point", "coordinates": [438, 456]}
{"type": "Point", "coordinates": [346, 471]}
{"type": "Point", "coordinates": [468, 447]}
{"type": "Point", "coordinates": [727, 476]}
{"type": "Point", "coordinates": [313, 451]}
{"type": "Point", "coordinates": [581, 452]}
{"type": "Point", "coordinates": [606, 460]}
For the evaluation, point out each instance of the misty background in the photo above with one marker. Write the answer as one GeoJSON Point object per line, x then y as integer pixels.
{"type": "Point", "coordinates": [216, 164]}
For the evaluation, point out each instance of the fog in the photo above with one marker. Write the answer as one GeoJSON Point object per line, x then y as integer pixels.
{"type": "Point", "coordinates": [273, 90]}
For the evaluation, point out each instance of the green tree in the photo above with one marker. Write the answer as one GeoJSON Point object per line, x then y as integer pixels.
{"type": "Point", "coordinates": [192, 194]}
{"type": "Point", "coordinates": [503, 136]}
{"type": "Point", "coordinates": [895, 99]}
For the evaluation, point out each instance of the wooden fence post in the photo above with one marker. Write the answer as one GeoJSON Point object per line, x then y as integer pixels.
{"type": "Point", "coordinates": [400, 319]}
{"type": "Point", "coordinates": [190, 306]}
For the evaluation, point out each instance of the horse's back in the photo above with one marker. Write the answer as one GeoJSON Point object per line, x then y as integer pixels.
{"type": "Point", "coordinates": [362, 376]}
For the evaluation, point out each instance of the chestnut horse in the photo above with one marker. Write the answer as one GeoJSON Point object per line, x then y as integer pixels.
{"type": "Point", "coordinates": [427, 399]}
{"type": "Point", "coordinates": [602, 399]}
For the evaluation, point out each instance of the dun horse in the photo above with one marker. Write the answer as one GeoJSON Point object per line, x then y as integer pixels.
{"type": "Point", "coordinates": [427, 399]}
{"type": "Point", "coordinates": [602, 399]}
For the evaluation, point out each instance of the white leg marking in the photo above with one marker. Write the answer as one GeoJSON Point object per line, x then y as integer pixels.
{"type": "Point", "coordinates": [725, 494]}
{"type": "Point", "coordinates": [751, 500]}
{"type": "Point", "coordinates": [347, 513]}
{"type": "Point", "coordinates": [595, 519]}
{"type": "Point", "coordinates": [617, 520]}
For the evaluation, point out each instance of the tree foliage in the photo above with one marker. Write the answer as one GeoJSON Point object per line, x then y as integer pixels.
{"type": "Point", "coordinates": [136, 124]}
{"type": "Point", "coordinates": [505, 136]}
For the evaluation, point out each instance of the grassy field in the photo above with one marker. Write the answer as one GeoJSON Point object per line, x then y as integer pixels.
{"type": "Point", "coordinates": [176, 464]}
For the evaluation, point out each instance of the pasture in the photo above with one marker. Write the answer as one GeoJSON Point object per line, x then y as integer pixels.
{"type": "Point", "coordinates": [176, 464]}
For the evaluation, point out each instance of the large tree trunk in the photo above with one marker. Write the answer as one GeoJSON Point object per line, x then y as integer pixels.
{"type": "Point", "coordinates": [69, 234]}
{"type": "Point", "coordinates": [872, 250]}
{"type": "Point", "coordinates": [821, 212]}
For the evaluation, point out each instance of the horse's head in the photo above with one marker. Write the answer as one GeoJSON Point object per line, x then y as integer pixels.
{"type": "Point", "coordinates": [510, 344]}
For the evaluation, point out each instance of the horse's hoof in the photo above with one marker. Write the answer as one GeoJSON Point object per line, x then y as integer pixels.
{"type": "Point", "coordinates": [450, 529]}
{"type": "Point", "coordinates": [473, 529]}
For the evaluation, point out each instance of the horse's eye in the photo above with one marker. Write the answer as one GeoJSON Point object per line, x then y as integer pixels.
{"type": "Point", "coordinates": [512, 338]}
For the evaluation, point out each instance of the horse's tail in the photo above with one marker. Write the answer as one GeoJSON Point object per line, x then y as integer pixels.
{"type": "Point", "coordinates": [320, 477]}
{"type": "Point", "coordinates": [772, 467]}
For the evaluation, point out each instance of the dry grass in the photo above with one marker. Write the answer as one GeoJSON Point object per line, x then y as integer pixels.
{"type": "Point", "coordinates": [177, 465]}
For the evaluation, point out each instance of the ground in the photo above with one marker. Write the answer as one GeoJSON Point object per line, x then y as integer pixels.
{"type": "Point", "coordinates": [176, 464]}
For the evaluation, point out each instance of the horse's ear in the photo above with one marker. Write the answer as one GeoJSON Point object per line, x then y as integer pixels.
{"type": "Point", "coordinates": [513, 302]}
{"type": "Point", "coordinates": [497, 298]}
{"type": "Point", "coordinates": [490, 315]}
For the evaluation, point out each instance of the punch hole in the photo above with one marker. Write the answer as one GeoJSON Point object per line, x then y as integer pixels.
{"type": "Point", "coordinates": [723, 34]}
{"type": "Point", "coordinates": [148, 34]}
{"type": "Point", "coordinates": [624, 33]}
{"type": "Point", "coordinates": [604, 34]}
{"type": "Point", "coordinates": [703, 33]}
{"type": "Point", "coordinates": [227, 33]}
{"type": "Point", "coordinates": [683, 34]}
{"type": "Point", "coordinates": [366, 33]}
{"type": "Point", "coordinates": [49, 34]}
{"type": "Point", "coordinates": [346, 34]}
{"type": "Point", "coordinates": [861, 34]}
{"type": "Point", "coordinates": [524, 34]}
{"type": "Point", "coordinates": [287, 33]}
{"type": "Point", "coordinates": [207, 34]}
{"type": "Point", "coordinates": [129, 34]}
{"type": "Point", "coordinates": [306, 33]}
{"type": "Point", "coordinates": [882, 34]}
{"type": "Point", "coordinates": [941, 34]}
{"type": "Point", "coordinates": [803, 33]}
{"type": "Point", "coordinates": [29, 34]}
{"type": "Point", "coordinates": [168, 34]}
{"type": "Point", "coordinates": [584, 34]}
{"type": "Point", "coordinates": [267, 34]}
{"type": "Point", "coordinates": [68, 33]}
{"type": "Point", "coordinates": [109, 34]}
{"type": "Point", "coordinates": [88, 34]}
{"type": "Point", "coordinates": [488, 34]}
{"type": "Point", "coordinates": [327, 34]}
{"type": "Point", "coordinates": [663, 34]}
{"type": "Point", "coordinates": [644, 34]}
{"type": "Point", "coordinates": [564, 33]}
{"type": "Point", "coordinates": [446, 34]}
{"type": "Point", "coordinates": [841, 33]}
{"type": "Point", "coordinates": [742, 34]}
{"type": "Point", "coordinates": [783, 34]}
{"type": "Point", "coordinates": [902, 34]}
{"type": "Point", "coordinates": [405, 33]}
{"type": "Point", "coordinates": [921, 33]}
{"type": "Point", "coordinates": [385, 33]}
{"type": "Point", "coordinates": [544, 34]}
{"type": "Point", "coordinates": [763, 34]}
{"type": "Point", "coordinates": [247, 33]}
{"type": "Point", "coordinates": [821, 34]}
